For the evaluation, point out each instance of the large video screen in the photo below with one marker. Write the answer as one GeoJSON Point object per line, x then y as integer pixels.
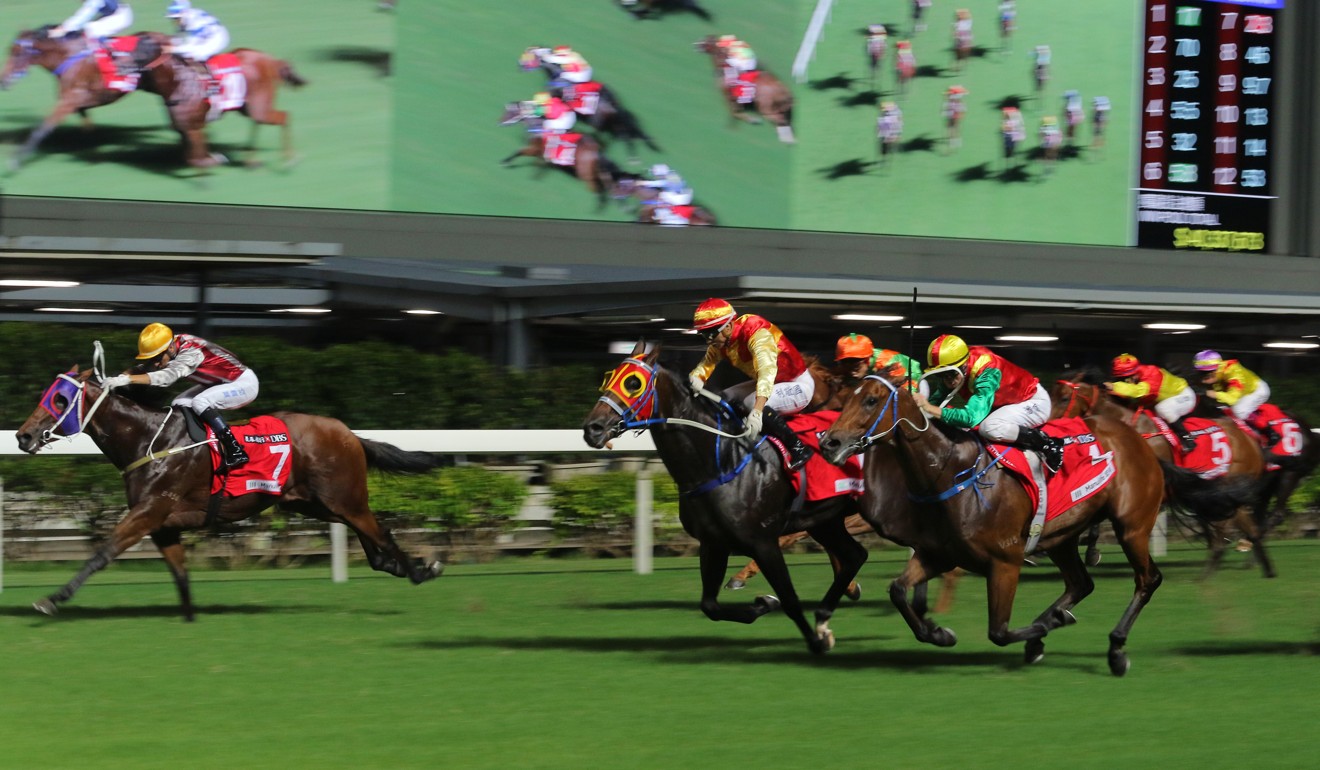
{"type": "Point", "coordinates": [1106, 122]}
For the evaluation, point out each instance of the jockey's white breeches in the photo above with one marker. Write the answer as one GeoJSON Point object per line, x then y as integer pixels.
{"type": "Point", "coordinates": [111, 25]}
{"type": "Point", "coordinates": [1252, 401]}
{"type": "Point", "coordinates": [1177, 406]}
{"type": "Point", "coordinates": [681, 198]}
{"type": "Point", "coordinates": [226, 395]}
{"type": "Point", "coordinates": [789, 397]}
{"type": "Point", "coordinates": [1003, 424]}
{"type": "Point", "coordinates": [581, 76]}
{"type": "Point", "coordinates": [201, 49]}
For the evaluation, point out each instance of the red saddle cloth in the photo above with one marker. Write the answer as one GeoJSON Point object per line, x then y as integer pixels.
{"type": "Point", "coordinates": [227, 72]}
{"type": "Point", "coordinates": [744, 88]}
{"type": "Point", "coordinates": [824, 479]}
{"type": "Point", "coordinates": [106, 64]}
{"type": "Point", "coordinates": [270, 458]}
{"type": "Point", "coordinates": [561, 149]}
{"type": "Point", "coordinates": [1213, 453]}
{"type": "Point", "coordinates": [1289, 432]}
{"type": "Point", "coordinates": [1087, 467]}
{"type": "Point", "coordinates": [583, 98]}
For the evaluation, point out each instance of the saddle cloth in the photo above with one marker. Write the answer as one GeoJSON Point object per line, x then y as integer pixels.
{"type": "Point", "coordinates": [824, 479]}
{"type": "Point", "coordinates": [270, 459]}
{"type": "Point", "coordinates": [1087, 467]}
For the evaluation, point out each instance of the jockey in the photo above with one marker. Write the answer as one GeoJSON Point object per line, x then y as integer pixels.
{"type": "Point", "coordinates": [889, 126]}
{"type": "Point", "coordinates": [855, 357]}
{"type": "Point", "coordinates": [1232, 384]}
{"type": "Point", "coordinates": [739, 58]}
{"type": "Point", "coordinates": [1002, 401]}
{"type": "Point", "coordinates": [673, 191]}
{"type": "Point", "coordinates": [1153, 386]}
{"type": "Point", "coordinates": [783, 384]}
{"type": "Point", "coordinates": [572, 66]}
{"type": "Point", "coordinates": [96, 19]}
{"type": "Point", "coordinates": [203, 36]}
{"type": "Point", "coordinates": [555, 114]}
{"type": "Point", "coordinates": [223, 382]}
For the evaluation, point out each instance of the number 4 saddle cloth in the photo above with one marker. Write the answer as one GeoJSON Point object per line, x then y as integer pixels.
{"type": "Point", "coordinates": [1087, 467]}
{"type": "Point", "coordinates": [270, 458]}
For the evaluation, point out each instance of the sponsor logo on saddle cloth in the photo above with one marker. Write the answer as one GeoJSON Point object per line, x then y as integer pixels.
{"type": "Point", "coordinates": [583, 98]}
{"type": "Point", "coordinates": [1087, 467]}
{"type": "Point", "coordinates": [561, 149]}
{"type": "Point", "coordinates": [227, 70]}
{"type": "Point", "coordinates": [1213, 453]}
{"type": "Point", "coordinates": [105, 62]}
{"type": "Point", "coordinates": [744, 88]}
{"type": "Point", "coordinates": [270, 455]}
{"type": "Point", "coordinates": [824, 480]}
{"type": "Point", "coordinates": [674, 215]}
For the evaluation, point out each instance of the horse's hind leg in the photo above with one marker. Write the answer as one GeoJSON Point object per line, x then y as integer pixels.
{"type": "Point", "coordinates": [385, 555]}
{"type": "Point", "coordinates": [1136, 546]}
{"type": "Point", "coordinates": [848, 556]}
{"type": "Point", "coordinates": [1077, 585]}
{"type": "Point", "coordinates": [775, 570]}
{"type": "Point", "coordinates": [1001, 588]}
{"type": "Point", "coordinates": [171, 549]}
{"type": "Point", "coordinates": [1092, 547]}
{"type": "Point", "coordinates": [918, 573]}
{"type": "Point", "coordinates": [714, 563]}
{"type": "Point", "coordinates": [739, 580]}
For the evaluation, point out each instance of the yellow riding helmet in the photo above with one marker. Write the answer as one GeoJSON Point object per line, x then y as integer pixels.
{"type": "Point", "coordinates": [153, 340]}
{"type": "Point", "coordinates": [854, 346]}
{"type": "Point", "coordinates": [946, 352]}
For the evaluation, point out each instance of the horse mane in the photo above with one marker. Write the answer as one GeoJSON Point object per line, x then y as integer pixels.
{"type": "Point", "coordinates": [1088, 375]}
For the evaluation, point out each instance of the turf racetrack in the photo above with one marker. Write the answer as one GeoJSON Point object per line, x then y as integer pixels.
{"type": "Point", "coordinates": [341, 121]}
{"type": "Point", "coordinates": [580, 664]}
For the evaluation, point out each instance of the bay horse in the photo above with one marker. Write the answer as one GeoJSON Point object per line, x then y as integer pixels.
{"type": "Point", "coordinates": [650, 208]}
{"type": "Point", "coordinates": [1084, 394]}
{"type": "Point", "coordinates": [600, 108]}
{"type": "Point", "coordinates": [732, 499]}
{"type": "Point", "coordinates": [73, 63]}
{"type": "Point", "coordinates": [773, 100]}
{"type": "Point", "coordinates": [590, 165]}
{"type": "Point", "coordinates": [984, 528]}
{"type": "Point", "coordinates": [188, 104]}
{"type": "Point", "coordinates": [167, 478]}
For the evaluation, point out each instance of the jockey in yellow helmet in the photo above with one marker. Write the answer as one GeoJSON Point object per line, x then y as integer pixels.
{"type": "Point", "coordinates": [783, 384]}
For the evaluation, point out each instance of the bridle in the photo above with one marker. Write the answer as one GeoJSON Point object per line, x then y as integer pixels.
{"type": "Point", "coordinates": [1075, 395]}
{"type": "Point", "coordinates": [870, 436]}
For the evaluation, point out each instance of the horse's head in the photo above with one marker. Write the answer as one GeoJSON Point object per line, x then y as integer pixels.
{"type": "Point", "coordinates": [627, 396]}
{"type": "Point", "coordinates": [707, 45]}
{"type": "Point", "coordinates": [36, 46]}
{"type": "Point", "coordinates": [1076, 396]}
{"type": "Point", "coordinates": [63, 410]}
{"type": "Point", "coordinates": [534, 57]}
{"type": "Point", "coordinates": [516, 112]}
{"type": "Point", "coordinates": [870, 413]}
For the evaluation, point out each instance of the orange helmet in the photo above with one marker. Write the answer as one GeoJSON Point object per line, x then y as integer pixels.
{"type": "Point", "coordinates": [1125, 365]}
{"type": "Point", "coordinates": [946, 352]}
{"type": "Point", "coordinates": [854, 346]}
{"type": "Point", "coordinates": [712, 314]}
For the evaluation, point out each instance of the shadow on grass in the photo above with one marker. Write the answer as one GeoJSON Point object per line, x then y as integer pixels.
{"type": "Point", "coordinates": [76, 612]}
{"type": "Point", "coordinates": [372, 58]}
{"type": "Point", "coordinates": [1244, 647]}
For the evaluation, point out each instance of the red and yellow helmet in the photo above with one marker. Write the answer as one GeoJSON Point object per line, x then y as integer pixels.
{"type": "Point", "coordinates": [946, 352]}
{"type": "Point", "coordinates": [853, 346]}
{"type": "Point", "coordinates": [1125, 365]}
{"type": "Point", "coordinates": [153, 340]}
{"type": "Point", "coordinates": [712, 314]}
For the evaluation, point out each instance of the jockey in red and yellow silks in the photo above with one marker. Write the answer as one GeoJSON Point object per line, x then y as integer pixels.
{"type": "Point", "coordinates": [1002, 401]}
{"type": "Point", "coordinates": [761, 351]}
{"type": "Point", "coordinates": [1232, 384]}
{"type": "Point", "coordinates": [1152, 386]}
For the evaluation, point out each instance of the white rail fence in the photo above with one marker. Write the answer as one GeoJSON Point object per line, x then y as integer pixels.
{"type": "Point", "coordinates": [815, 32]}
{"type": "Point", "coordinates": [451, 442]}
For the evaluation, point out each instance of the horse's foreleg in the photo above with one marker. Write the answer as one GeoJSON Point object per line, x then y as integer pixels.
{"type": "Point", "coordinates": [917, 573]}
{"type": "Point", "coordinates": [171, 549]}
{"type": "Point", "coordinates": [129, 531]}
{"type": "Point", "coordinates": [1253, 531]}
{"type": "Point", "coordinates": [847, 556]}
{"type": "Point", "coordinates": [714, 563]}
{"type": "Point", "coordinates": [61, 111]}
{"type": "Point", "coordinates": [1092, 549]}
{"type": "Point", "coordinates": [776, 574]}
{"type": "Point", "coordinates": [752, 570]}
{"type": "Point", "coordinates": [1001, 588]}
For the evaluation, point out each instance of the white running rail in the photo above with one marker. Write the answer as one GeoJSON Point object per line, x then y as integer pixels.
{"type": "Point", "coordinates": [815, 31]}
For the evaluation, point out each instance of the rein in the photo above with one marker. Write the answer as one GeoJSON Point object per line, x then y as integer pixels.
{"type": "Point", "coordinates": [870, 436]}
{"type": "Point", "coordinates": [1075, 393]}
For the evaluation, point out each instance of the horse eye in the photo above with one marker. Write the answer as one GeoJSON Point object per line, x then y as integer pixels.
{"type": "Point", "coordinates": [871, 401]}
{"type": "Point", "coordinates": [633, 384]}
{"type": "Point", "coordinates": [61, 403]}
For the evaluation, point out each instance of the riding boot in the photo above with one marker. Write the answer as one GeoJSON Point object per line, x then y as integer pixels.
{"type": "Point", "coordinates": [232, 454]}
{"type": "Point", "coordinates": [1050, 448]}
{"type": "Point", "coordinates": [798, 452]}
{"type": "Point", "coordinates": [1184, 435]}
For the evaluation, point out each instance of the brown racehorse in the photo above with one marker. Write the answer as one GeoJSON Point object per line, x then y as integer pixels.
{"type": "Point", "coordinates": [733, 499]}
{"type": "Point", "coordinates": [182, 87]}
{"type": "Point", "coordinates": [649, 214]}
{"type": "Point", "coordinates": [985, 529]}
{"type": "Point", "coordinates": [169, 492]}
{"type": "Point", "coordinates": [81, 86]}
{"type": "Point", "coordinates": [773, 101]}
{"type": "Point", "coordinates": [590, 165]}
{"type": "Point", "coordinates": [1084, 394]}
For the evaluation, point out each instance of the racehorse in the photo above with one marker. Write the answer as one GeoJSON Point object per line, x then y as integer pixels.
{"type": "Point", "coordinates": [651, 9]}
{"type": "Point", "coordinates": [167, 478]}
{"type": "Point", "coordinates": [772, 101]}
{"type": "Point", "coordinates": [589, 163]}
{"type": "Point", "coordinates": [652, 211]}
{"type": "Point", "coordinates": [189, 104]}
{"type": "Point", "coordinates": [732, 499]}
{"type": "Point", "coordinates": [81, 85]}
{"type": "Point", "coordinates": [876, 46]}
{"type": "Point", "coordinates": [984, 528]}
{"type": "Point", "coordinates": [600, 108]}
{"type": "Point", "coordinates": [698, 216]}
{"type": "Point", "coordinates": [1084, 394]}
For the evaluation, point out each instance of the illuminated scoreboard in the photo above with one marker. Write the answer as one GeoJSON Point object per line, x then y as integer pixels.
{"type": "Point", "coordinates": [1207, 122]}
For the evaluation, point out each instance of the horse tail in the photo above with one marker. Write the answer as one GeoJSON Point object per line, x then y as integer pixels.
{"type": "Point", "coordinates": [1207, 499]}
{"type": "Point", "coordinates": [289, 76]}
{"type": "Point", "coordinates": [391, 459]}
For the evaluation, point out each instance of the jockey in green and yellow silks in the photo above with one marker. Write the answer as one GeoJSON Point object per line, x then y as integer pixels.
{"type": "Point", "coordinates": [856, 357]}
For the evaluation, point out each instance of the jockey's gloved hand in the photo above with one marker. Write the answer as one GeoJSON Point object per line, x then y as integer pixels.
{"type": "Point", "coordinates": [118, 381]}
{"type": "Point", "coordinates": [753, 422]}
{"type": "Point", "coordinates": [696, 383]}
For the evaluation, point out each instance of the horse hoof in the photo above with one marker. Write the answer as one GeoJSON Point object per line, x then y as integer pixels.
{"type": "Point", "coordinates": [1034, 652]}
{"type": "Point", "coordinates": [735, 584]}
{"type": "Point", "coordinates": [1092, 558]}
{"type": "Point", "coordinates": [854, 593]}
{"type": "Point", "coordinates": [1118, 662]}
{"type": "Point", "coordinates": [46, 607]}
{"type": "Point", "coordinates": [767, 603]}
{"type": "Point", "coordinates": [824, 640]}
{"type": "Point", "coordinates": [434, 569]}
{"type": "Point", "coordinates": [1066, 618]}
{"type": "Point", "coordinates": [943, 637]}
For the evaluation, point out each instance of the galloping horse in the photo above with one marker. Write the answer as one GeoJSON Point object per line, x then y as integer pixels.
{"type": "Point", "coordinates": [650, 209]}
{"type": "Point", "coordinates": [74, 65]}
{"type": "Point", "coordinates": [167, 478]}
{"type": "Point", "coordinates": [1083, 394]}
{"type": "Point", "coordinates": [599, 107]}
{"type": "Point", "coordinates": [186, 98]}
{"type": "Point", "coordinates": [589, 163]}
{"type": "Point", "coordinates": [733, 499]}
{"type": "Point", "coordinates": [773, 101]}
{"type": "Point", "coordinates": [984, 529]}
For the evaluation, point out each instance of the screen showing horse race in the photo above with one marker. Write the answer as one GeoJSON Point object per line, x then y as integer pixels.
{"type": "Point", "coordinates": [1108, 122]}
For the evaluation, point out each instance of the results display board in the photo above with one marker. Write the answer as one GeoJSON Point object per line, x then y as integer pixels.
{"type": "Point", "coordinates": [1207, 124]}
